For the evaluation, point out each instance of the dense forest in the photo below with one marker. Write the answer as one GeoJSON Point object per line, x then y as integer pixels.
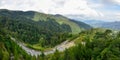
{"type": "Point", "coordinates": [92, 45]}
{"type": "Point", "coordinates": [75, 26]}
{"type": "Point", "coordinates": [39, 29]}
{"type": "Point", "coordinates": [9, 50]}
{"type": "Point", "coordinates": [46, 32]}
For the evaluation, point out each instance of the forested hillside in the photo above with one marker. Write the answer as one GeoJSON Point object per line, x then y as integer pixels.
{"type": "Point", "coordinates": [28, 31]}
{"type": "Point", "coordinates": [39, 30]}
{"type": "Point", "coordinates": [95, 44]}
{"type": "Point", "coordinates": [9, 50]}
{"type": "Point", "coordinates": [92, 45]}
{"type": "Point", "coordinates": [36, 16]}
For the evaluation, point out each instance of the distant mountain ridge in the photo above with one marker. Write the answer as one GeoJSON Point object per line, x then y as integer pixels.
{"type": "Point", "coordinates": [93, 23]}
{"type": "Point", "coordinates": [36, 16]}
{"type": "Point", "coordinates": [111, 25]}
{"type": "Point", "coordinates": [38, 28]}
{"type": "Point", "coordinates": [115, 25]}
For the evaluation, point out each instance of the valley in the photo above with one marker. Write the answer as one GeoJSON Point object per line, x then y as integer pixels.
{"type": "Point", "coordinates": [31, 35]}
{"type": "Point", "coordinates": [61, 47]}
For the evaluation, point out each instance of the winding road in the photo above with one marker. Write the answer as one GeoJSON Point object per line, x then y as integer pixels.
{"type": "Point", "coordinates": [61, 47]}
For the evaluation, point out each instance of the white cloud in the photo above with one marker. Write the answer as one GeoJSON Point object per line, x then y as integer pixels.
{"type": "Point", "coordinates": [77, 8]}
{"type": "Point", "coordinates": [115, 2]}
{"type": "Point", "coordinates": [52, 6]}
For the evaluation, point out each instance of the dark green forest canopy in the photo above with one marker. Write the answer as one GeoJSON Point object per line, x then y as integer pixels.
{"type": "Point", "coordinates": [31, 32]}
{"type": "Point", "coordinates": [9, 49]}
{"type": "Point", "coordinates": [36, 28]}
{"type": "Point", "coordinates": [49, 30]}
{"type": "Point", "coordinates": [98, 46]}
{"type": "Point", "coordinates": [36, 16]}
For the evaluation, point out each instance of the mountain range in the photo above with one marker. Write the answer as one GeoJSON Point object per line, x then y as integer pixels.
{"type": "Point", "coordinates": [36, 16]}
{"type": "Point", "coordinates": [38, 28]}
{"type": "Point", "coordinates": [114, 25]}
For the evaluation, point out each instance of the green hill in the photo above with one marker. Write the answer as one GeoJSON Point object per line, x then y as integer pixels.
{"type": "Point", "coordinates": [40, 29]}
{"type": "Point", "coordinates": [36, 16]}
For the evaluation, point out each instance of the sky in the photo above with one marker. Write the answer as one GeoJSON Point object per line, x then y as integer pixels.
{"type": "Point", "coordinates": [106, 10]}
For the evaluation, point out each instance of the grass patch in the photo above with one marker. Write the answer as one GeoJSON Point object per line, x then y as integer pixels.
{"type": "Point", "coordinates": [35, 47]}
{"type": "Point", "coordinates": [38, 47]}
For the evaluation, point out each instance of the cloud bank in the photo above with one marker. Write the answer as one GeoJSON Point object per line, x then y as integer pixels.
{"type": "Point", "coordinates": [82, 9]}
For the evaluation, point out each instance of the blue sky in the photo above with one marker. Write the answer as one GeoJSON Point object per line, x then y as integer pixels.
{"type": "Point", "coordinates": [106, 10]}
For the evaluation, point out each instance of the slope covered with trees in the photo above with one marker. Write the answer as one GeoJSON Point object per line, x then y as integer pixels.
{"type": "Point", "coordinates": [9, 50]}
{"type": "Point", "coordinates": [36, 16]}
{"type": "Point", "coordinates": [44, 32]}
{"type": "Point", "coordinates": [37, 29]}
{"type": "Point", "coordinates": [92, 45]}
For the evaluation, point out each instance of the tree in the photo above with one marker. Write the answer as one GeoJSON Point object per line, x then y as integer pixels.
{"type": "Point", "coordinates": [66, 55]}
{"type": "Point", "coordinates": [56, 55]}
{"type": "Point", "coordinates": [42, 56]}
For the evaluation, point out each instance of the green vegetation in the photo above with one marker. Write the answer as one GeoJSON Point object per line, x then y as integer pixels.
{"type": "Point", "coordinates": [9, 50]}
{"type": "Point", "coordinates": [93, 45]}
{"type": "Point", "coordinates": [36, 47]}
{"type": "Point", "coordinates": [36, 16]}
{"type": "Point", "coordinates": [75, 26]}
{"type": "Point", "coordinates": [45, 33]}
{"type": "Point", "coordinates": [39, 30]}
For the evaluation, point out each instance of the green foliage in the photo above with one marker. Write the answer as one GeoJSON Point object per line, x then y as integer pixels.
{"type": "Point", "coordinates": [38, 28]}
{"type": "Point", "coordinates": [56, 55]}
{"type": "Point", "coordinates": [94, 45]}
{"type": "Point", "coordinates": [9, 49]}
{"type": "Point", "coordinates": [75, 26]}
{"type": "Point", "coordinates": [47, 33]}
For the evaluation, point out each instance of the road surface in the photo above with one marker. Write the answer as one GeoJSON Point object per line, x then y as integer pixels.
{"type": "Point", "coordinates": [61, 47]}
